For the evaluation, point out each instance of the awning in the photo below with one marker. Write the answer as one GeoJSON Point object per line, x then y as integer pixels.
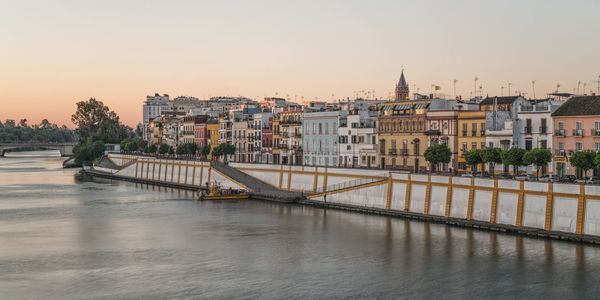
{"type": "Point", "coordinates": [402, 107]}
{"type": "Point", "coordinates": [419, 106]}
{"type": "Point", "coordinates": [386, 107]}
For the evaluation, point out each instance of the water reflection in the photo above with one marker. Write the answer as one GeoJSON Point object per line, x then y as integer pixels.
{"type": "Point", "coordinates": [67, 236]}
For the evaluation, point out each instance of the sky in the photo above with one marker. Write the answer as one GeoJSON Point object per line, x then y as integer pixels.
{"type": "Point", "coordinates": [56, 53]}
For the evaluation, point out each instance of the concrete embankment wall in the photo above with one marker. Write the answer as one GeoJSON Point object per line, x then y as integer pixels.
{"type": "Point", "coordinates": [569, 208]}
{"type": "Point", "coordinates": [172, 171]}
{"type": "Point", "coordinates": [304, 178]}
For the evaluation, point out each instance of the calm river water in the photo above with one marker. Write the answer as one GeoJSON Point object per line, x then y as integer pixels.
{"type": "Point", "coordinates": [67, 237]}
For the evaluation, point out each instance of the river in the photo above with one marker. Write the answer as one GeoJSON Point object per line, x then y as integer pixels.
{"type": "Point", "coordinates": [64, 236]}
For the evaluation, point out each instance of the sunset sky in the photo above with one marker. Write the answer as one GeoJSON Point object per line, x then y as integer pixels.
{"type": "Point", "coordinates": [55, 53]}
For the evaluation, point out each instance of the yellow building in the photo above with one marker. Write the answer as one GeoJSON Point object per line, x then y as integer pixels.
{"type": "Point", "coordinates": [401, 135]}
{"type": "Point", "coordinates": [471, 135]}
{"type": "Point", "coordinates": [212, 127]}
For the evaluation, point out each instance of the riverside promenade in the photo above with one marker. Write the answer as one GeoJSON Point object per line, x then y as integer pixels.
{"type": "Point", "coordinates": [545, 210]}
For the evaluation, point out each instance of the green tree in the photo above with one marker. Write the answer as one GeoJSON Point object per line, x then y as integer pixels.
{"type": "Point", "coordinates": [537, 157]}
{"type": "Point", "coordinates": [583, 160]}
{"type": "Point", "coordinates": [163, 149]}
{"type": "Point", "coordinates": [205, 150]}
{"type": "Point", "coordinates": [437, 154]}
{"type": "Point", "coordinates": [597, 160]}
{"type": "Point", "coordinates": [492, 156]}
{"type": "Point", "coordinates": [9, 123]}
{"type": "Point", "coordinates": [223, 149]}
{"type": "Point", "coordinates": [474, 158]}
{"type": "Point", "coordinates": [151, 149]}
{"type": "Point", "coordinates": [96, 121]}
{"type": "Point", "coordinates": [513, 157]}
{"type": "Point", "coordinates": [87, 152]}
{"type": "Point", "coordinates": [23, 123]}
{"type": "Point", "coordinates": [171, 150]}
{"type": "Point", "coordinates": [187, 148]}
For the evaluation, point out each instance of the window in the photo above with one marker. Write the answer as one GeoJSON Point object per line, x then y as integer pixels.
{"type": "Point", "coordinates": [543, 144]}
{"type": "Point", "coordinates": [474, 129]}
{"type": "Point", "coordinates": [464, 148]}
{"type": "Point", "coordinates": [361, 139]}
{"type": "Point", "coordinates": [320, 128]}
{"type": "Point", "coordinates": [420, 125]}
{"type": "Point", "coordinates": [482, 145]}
{"type": "Point", "coordinates": [400, 126]}
{"type": "Point", "coordinates": [596, 146]}
{"type": "Point", "coordinates": [464, 129]}
{"type": "Point", "coordinates": [394, 126]}
{"type": "Point", "coordinates": [473, 146]}
{"type": "Point", "coordinates": [528, 144]}
{"type": "Point", "coordinates": [326, 128]}
{"type": "Point", "coordinates": [578, 146]}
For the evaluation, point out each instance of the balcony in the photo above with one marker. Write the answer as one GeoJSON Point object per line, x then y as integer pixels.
{"type": "Point", "coordinates": [559, 132]}
{"type": "Point", "coordinates": [528, 130]}
{"type": "Point", "coordinates": [473, 132]}
{"type": "Point", "coordinates": [578, 132]}
{"type": "Point", "coordinates": [404, 152]}
{"type": "Point", "coordinates": [392, 152]}
{"type": "Point", "coordinates": [543, 129]}
{"type": "Point", "coordinates": [432, 132]}
{"type": "Point", "coordinates": [482, 132]}
{"type": "Point", "coordinates": [595, 132]}
{"type": "Point", "coordinates": [560, 152]}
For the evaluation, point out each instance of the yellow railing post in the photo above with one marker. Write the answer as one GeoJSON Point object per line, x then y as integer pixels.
{"type": "Point", "coordinates": [159, 168]}
{"type": "Point", "coordinates": [521, 204]}
{"type": "Point", "coordinates": [580, 210]}
{"type": "Point", "coordinates": [407, 196]}
{"type": "Point", "coordinates": [494, 209]}
{"type": "Point", "coordinates": [388, 202]}
{"type": "Point", "coordinates": [549, 207]}
{"type": "Point", "coordinates": [289, 181]}
{"type": "Point", "coordinates": [280, 176]}
{"type": "Point", "coordinates": [471, 199]}
{"type": "Point", "coordinates": [448, 197]}
{"type": "Point", "coordinates": [427, 196]}
{"type": "Point", "coordinates": [194, 173]}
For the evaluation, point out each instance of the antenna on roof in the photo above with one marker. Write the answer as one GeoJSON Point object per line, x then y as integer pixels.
{"type": "Point", "coordinates": [509, 85]}
{"type": "Point", "coordinates": [578, 84]}
{"type": "Point", "coordinates": [533, 87]}
{"type": "Point", "coordinates": [455, 81]}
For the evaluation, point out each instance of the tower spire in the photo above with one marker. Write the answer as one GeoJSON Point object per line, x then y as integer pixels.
{"type": "Point", "coordinates": [402, 89]}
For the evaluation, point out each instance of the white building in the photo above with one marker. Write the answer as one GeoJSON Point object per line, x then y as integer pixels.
{"type": "Point", "coordinates": [320, 138]}
{"type": "Point", "coordinates": [152, 108]}
{"type": "Point", "coordinates": [536, 125]}
{"type": "Point", "coordinates": [358, 139]}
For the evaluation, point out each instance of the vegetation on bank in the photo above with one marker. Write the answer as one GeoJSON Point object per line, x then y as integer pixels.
{"type": "Point", "coordinates": [97, 125]}
{"type": "Point", "coordinates": [45, 132]}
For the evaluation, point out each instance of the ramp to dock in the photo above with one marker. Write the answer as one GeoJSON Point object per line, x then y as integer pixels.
{"type": "Point", "coordinates": [258, 189]}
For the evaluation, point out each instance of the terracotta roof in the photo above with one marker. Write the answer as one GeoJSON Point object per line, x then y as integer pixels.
{"type": "Point", "coordinates": [579, 106]}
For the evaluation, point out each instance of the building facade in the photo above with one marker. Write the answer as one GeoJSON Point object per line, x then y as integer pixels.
{"type": "Point", "coordinates": [576, 126]}
{"type": "Point", "coordinates": [358, 139]}
{"type": "Point", "coordinates": [401, 135]}
{"type": "Point", "coordinates": [320, 138]}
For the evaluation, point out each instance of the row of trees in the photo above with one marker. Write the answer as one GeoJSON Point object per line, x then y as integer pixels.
{"type": "Point", "coordinates": [183, 149]}
{"type": "Point", "coordinates": [514, 157]}
{"type": "Point", "coordinates": [45, 132]}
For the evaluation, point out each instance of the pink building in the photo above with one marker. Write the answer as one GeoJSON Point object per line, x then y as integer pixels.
{"type": "Point", "coordinates": [576, 128]}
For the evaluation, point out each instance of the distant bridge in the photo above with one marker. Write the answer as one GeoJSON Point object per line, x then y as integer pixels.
{"type": "Point", "coordinates": [66, 149]}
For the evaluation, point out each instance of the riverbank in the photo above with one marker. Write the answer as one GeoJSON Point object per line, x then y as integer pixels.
{"type": "Point", "coordinates": [462, 202]}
